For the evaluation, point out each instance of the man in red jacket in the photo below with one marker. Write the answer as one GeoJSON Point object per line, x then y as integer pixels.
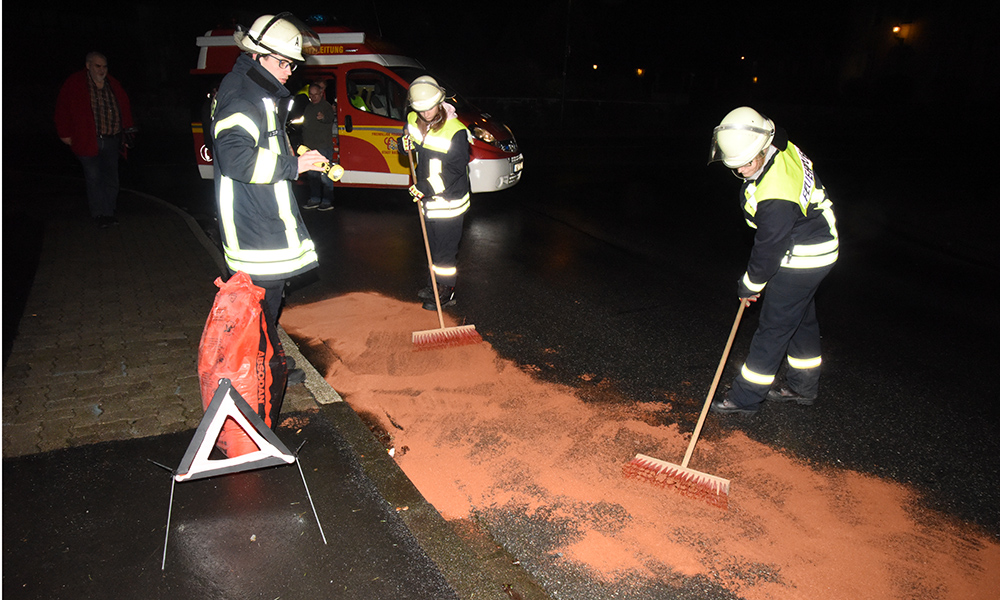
{"type": "Point", "coordinates": [92, 112]}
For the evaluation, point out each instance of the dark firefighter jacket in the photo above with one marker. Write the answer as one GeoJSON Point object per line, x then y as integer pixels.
{"type": "Point", "coordinates": [262, 231]}
{"type": "Point", "coordinates": [792, 214]}
{"type": "Point", "coordinates": [442, 166]}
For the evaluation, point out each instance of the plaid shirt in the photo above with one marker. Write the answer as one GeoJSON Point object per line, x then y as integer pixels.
{"type": "Point", "coordinates": [106, 115]}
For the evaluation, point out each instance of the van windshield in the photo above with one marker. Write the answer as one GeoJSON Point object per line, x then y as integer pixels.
{"type": "Point", "coordinates": [408, 74]}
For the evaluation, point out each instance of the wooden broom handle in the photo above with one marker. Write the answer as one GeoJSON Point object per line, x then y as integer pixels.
{"type": "Point", "coordinates": [715, 383]}
{"type": "Point", "coordinates": [427, 244]}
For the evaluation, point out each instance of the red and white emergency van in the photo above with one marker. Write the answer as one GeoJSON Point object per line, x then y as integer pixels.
{"type": "Point", "coordinates": [367, 81]}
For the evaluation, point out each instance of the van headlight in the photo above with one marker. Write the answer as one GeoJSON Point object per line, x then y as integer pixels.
{"type": "Point", "coordinates": [482, 134]}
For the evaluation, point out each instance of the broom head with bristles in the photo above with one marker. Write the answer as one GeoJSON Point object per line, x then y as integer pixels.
{"type": "Point", "coordinates": [446, 337]}
{"type": "Point", "coordinates": [688, 482]}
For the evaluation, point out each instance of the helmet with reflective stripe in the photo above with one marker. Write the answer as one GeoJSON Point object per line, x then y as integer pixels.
{"type": "Point", "coordinates": [280, 34]}
{"type": "Point", "coordinates": [743, 134]}
{"type": "Point", "coordinates": [425, 93]}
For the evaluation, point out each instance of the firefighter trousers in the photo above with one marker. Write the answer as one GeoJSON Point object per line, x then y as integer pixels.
{"type": "Point", "coordinates": [274, 296]}
{"type": "Point", "coordinates": [444, 237]}
{"type": "Point", "coordinates": [787, 328]}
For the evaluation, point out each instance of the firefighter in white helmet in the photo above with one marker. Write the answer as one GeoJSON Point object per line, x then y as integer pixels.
{"type": "Point", "coordinates": [439, 143]}
{"type": "Point", "coordinates": [795, 246]}
{"type": "Point", "coordinates": [262, 231]}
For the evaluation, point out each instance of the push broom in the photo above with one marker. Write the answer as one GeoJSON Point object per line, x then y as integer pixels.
{"type": "Point", "coordinates": [443, 337]}
{"type": "Point", "coordinates": [694, 484]}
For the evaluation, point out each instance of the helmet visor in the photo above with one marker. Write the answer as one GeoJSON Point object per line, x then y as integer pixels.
{"type": "Point", "coordinates": [715, 152]}
{"type": "Point", "coordinates": [310, 41]}
{"type": "Point", "coordinates": [731, 140]}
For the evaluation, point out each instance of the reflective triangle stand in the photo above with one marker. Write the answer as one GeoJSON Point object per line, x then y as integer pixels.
{"type": "Point", "coordinates": [271, 451]}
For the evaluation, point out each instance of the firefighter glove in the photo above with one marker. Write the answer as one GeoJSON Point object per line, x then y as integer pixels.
{"type": "Point", "coordinates": [407, 143]}
{"type": "Point", "coordinates": [417, 194]}
{"type": "Point", "coordinates": [745, 294]}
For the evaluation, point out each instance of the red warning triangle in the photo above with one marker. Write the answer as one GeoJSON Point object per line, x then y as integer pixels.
{"type": "Point", "coordinates": [227, 402]}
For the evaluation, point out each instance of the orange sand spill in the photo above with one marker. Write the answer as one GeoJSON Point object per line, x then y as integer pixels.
{"type": "Point", "coordinates": [476, 432]}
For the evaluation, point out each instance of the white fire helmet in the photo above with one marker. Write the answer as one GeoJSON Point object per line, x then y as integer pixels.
{"type": "Point", "coordinates": [425, 93]}
{"type": "Point", "coordinates": [741, 136]}
{"type": "Point", "coordinates": [280, 34]}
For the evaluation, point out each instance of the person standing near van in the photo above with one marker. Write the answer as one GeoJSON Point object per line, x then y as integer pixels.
{"type": "Point", "coordinates": [92, 113]}
{"type": "Point", "coordinates": [795, 246]}
{"type": "Point", "coordinates": [263, 234]}
{"type": "Point", "coordinates": [440, 145]}
{"type": "Point", "coordinates": [318, 121]}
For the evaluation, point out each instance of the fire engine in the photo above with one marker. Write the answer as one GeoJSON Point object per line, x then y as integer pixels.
{"type": "Point", "coordinates": [367, 81]}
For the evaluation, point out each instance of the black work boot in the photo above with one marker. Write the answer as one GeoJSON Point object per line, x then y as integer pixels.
{"type": "Point", "coordinates": [724, 406]}
{"type": "Point", "coordinates": [783, 393]}
{"type": "Point", "coordinates": [447, 295]}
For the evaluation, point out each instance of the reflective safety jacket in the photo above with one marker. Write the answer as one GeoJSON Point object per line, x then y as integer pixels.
{"type": "Point", "coordinates": [262, 231]}
{"type": "Point", "coordinates": [793, 216]}
{"type": "Point", "coordinates": [442, 166]}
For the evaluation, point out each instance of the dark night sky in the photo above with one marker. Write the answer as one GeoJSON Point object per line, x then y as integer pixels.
{"type": "Point", "coordinates": [525, 41]}
{"type": "Point", "coordinates": [802, 53]}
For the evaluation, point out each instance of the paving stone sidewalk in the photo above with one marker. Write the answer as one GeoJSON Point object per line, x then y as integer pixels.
{"type": "Point", "coordinates": [107, 347]}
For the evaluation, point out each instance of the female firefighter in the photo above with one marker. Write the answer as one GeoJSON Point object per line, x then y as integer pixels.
{"type": "Point", "coordinates": [439, 144]}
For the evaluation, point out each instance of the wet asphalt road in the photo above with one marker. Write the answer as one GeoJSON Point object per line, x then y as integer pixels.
{"type": "Point", "coordinates": [64, 549]}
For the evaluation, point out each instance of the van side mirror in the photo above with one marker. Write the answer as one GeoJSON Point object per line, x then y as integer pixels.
{"type": "Point", "coordinates": [348, 124]}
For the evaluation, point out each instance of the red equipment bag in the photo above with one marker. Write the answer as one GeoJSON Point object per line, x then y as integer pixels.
{"type": "Point", "coordinates": [239, 344]}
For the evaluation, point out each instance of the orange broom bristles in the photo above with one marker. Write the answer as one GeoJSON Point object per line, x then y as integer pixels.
{"type": "Point", "coordinates": [694, 484]}
{"type": "Point", "coordinates": [688, 482]}
{"type": "Point", "coordinates": [446, 337]}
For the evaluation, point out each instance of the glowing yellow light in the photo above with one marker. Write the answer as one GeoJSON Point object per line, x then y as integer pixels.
{"type": "Point", "coordinates": [595, 67]}
{"type": "Point", "coordinates": [895, 29]}
{"type": "Point", "coordinates": [639, 72]}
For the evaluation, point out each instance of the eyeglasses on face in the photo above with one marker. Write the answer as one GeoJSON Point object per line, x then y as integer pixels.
{"type": "Point", "coordinates": [285, 64]}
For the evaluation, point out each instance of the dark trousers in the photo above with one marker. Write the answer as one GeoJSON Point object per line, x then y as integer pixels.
{"type": "Point", "coordinates": [787, 326]}
{"type": "Point", "coordinates": [444, 237]}
{"type": "Point", "coordinates": [101, 174]}
{"type": "Point", "coordinates": [320, 186]}
{"type": "Point", "coordinates": [274, 294]}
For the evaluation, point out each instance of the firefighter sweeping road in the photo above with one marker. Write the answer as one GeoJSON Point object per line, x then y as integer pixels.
{"type": "Point", "coordinates": [623, 276]}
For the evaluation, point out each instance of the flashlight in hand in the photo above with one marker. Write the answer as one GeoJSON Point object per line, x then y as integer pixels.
{"type": "Point", "coordinates": [331, 170]}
